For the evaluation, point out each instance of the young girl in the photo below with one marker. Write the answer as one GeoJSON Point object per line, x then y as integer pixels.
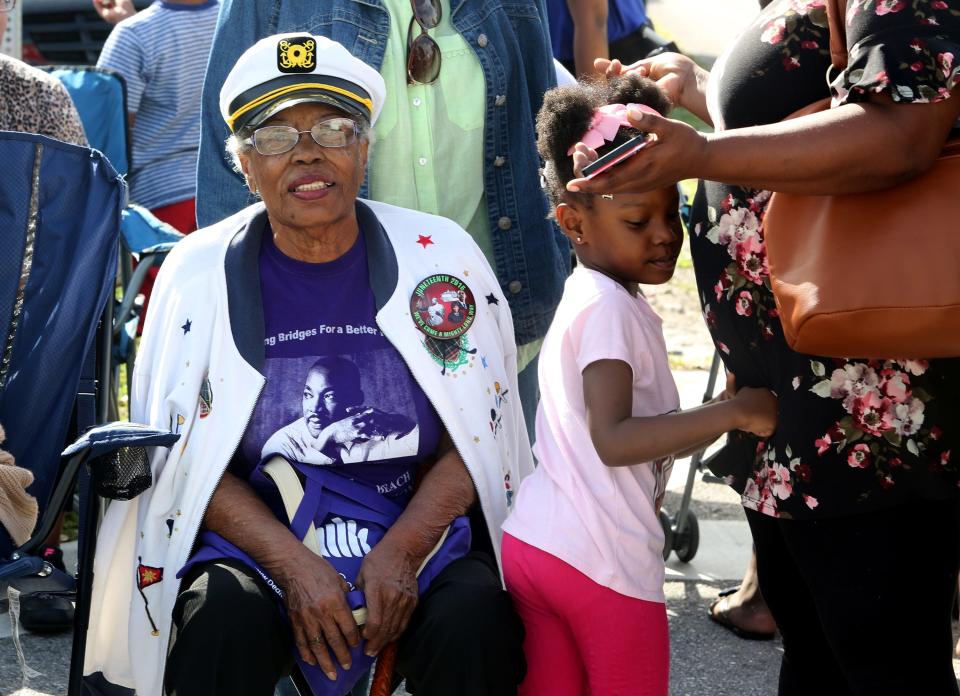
{"type": "Point", "coordinates": [582, 549]}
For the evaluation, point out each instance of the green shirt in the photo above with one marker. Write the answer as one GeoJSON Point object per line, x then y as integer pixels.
{"type": "Point", "coordinates": [428, 152]}
{"type": "Point", "coordinates": [435, 164]}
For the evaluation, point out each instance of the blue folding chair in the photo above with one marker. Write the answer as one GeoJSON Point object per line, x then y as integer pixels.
{"type": "Point", "coordinates": [60, 219]}
{"type": "Point", "coordinates": [60, 213]}
{"type": "Point", "coordinates": [100, 96]}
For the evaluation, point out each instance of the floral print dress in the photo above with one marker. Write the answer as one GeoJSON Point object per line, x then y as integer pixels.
{"type": "Point", "coordinates": [854, 435]}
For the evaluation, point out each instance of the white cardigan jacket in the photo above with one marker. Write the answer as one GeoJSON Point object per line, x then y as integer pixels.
{"type": "Point", "coordinates": [199, 373]}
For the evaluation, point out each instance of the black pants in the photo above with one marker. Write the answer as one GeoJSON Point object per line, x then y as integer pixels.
{"type": "Point", "coordinates": [228, 638]}
{"type": "Point", "coordinates": [863, 603]}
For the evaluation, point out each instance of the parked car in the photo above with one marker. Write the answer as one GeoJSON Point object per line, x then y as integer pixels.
{"type": "Point", "coordinates": [64, 32]}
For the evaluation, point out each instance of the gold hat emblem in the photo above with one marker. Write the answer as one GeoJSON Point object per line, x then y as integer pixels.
{"type": "Point", "coordinates": [296, 55]}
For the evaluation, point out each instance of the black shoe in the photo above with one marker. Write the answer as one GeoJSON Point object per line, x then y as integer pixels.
{"type": "Point", "coordinates": [47, 612]}
{"type": "Point", "coordinates": [44, 612]}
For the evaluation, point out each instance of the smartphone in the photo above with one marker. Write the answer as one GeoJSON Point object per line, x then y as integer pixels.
{"type": "Point", "coordinates": [615, 156]}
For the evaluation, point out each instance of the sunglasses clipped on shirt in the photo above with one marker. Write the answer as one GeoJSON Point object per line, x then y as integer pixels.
{"type": "Point", "coordinates": [423, 52]}
{"type": "Point", "coordinates": [339, 131]}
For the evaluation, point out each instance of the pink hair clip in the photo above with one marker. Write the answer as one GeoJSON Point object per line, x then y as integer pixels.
{"type": "Point", "coordinates": [606, 123]}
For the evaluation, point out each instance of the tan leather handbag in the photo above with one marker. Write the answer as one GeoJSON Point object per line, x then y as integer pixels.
{"type": "Point", "coordinates": [872, 275]}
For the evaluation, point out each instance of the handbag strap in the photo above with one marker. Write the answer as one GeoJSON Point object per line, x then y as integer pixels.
{"type": "Point", "coordinates": [836, 14]}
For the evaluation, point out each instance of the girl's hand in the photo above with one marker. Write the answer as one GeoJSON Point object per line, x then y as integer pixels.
{"type": "Point", "coordinates": [756, 411]}
{"type": "Point", "coordinates": [675, 151]}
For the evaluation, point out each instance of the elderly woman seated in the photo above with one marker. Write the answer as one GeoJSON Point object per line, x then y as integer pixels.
{"type": "Point", "coordinates": [299, 327]}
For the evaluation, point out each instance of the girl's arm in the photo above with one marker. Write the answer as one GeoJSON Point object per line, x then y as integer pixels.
{"type": "Point", "coordinates": [700, 446]}
{"type": "Point", "coordinates": [728, 393]}
{"type": "Point", "coordinates": [622, 439]}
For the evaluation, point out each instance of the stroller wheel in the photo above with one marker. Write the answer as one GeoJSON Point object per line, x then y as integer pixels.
{"type": "Point", "coordinates": [687, 541]}
{"type": "Point", "coordinates": [667, 525]}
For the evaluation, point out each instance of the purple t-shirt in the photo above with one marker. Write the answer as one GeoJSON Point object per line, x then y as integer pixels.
{"type": "Point", "coordinates": [338, 394]}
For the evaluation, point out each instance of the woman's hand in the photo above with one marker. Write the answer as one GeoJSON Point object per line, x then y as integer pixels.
{"type": "Point", "coordinates": [388, 573]}
{"type": "Point", "coordinates": [315, 595]}
{"type": "Point", "coordinates": [674, 73]}
{"type": "Point", "coordinates": [684, 82]}
{"type": "Point", "coordinates": [674, 152]}
{"type": "Point", "coordinates": [756, 410]}
{"type": "Point", "coordinates": [388, 578]}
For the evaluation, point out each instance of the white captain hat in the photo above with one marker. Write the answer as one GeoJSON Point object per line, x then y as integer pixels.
{"type": "Point", "coordinates": [287, 69]}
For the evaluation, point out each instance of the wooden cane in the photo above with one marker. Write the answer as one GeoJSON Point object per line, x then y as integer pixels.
{"type": "Point", "coordinates": [383, 673]}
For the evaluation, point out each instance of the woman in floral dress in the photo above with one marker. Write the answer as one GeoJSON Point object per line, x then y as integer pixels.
{"type": "Point", "coordinates": [853, 501]}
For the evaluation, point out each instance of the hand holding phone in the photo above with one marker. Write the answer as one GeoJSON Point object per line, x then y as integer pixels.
{"type": "Point", "coordinates": [615, 156]}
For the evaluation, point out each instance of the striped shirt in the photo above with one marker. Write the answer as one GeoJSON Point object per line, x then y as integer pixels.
{"type": "Point", "coordinates": [162, 53]}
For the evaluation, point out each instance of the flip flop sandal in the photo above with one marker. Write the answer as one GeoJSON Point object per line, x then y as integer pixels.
{"type": "Point", "coordinates": [722, 618]}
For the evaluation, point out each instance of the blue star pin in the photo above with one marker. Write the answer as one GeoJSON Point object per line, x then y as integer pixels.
{"type": "Point", "coordinates": [186, 327]}
{"type": "Point", "coordinates": [492, 299]}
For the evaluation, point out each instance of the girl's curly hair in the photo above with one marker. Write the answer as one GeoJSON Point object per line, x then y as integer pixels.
{"type": "Point", "coordinates": [566, 115]}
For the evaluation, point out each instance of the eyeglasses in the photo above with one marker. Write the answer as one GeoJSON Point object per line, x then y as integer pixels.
{"type": "Point", "coordinates": [331, 132]}
{"type": "Point", "coordinates": [423, 53]}
{"type": "Point", "coordinates": [7, 5]}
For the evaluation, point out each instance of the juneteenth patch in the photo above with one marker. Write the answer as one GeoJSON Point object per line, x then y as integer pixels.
{"type": "Point", "coordinates": [443, 307]}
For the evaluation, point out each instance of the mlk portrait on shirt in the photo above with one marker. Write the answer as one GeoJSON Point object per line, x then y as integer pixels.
{"type": "Point", "coordinates": [338, 425]}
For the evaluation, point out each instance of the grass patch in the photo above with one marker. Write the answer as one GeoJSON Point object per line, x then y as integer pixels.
{"type": "Point", "coordinates": [71, 524]}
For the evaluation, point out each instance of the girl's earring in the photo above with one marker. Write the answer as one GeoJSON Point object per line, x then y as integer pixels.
{"type": "Point", "coordinates": [579, 239]}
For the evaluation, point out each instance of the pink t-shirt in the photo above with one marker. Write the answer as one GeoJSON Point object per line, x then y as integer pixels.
{"type": "Point", "coordinates": [601, 520]}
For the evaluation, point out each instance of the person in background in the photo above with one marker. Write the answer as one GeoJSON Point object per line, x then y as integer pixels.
{"type": "Point", "coordinates": [582, 549]}
{"type": "Point", "coordinates": [114, 11]}
{"type": "Point", "coordinates": [31, 101]}
{"type": "Point", "coordinates": [582, 30]}
{"type": "Point", "coordinates": [161, 53]}
{"type": "Point", "coordinates": [456, 137]}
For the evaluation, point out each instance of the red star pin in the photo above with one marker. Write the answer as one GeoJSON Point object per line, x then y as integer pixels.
{"type": "Point", "coordinates": [424, 240]}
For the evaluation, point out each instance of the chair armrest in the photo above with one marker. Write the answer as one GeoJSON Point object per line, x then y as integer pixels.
{"type": "Point", "coordinates": [117, 456]}
{"type": "Point", "coordinates": [107, 438]}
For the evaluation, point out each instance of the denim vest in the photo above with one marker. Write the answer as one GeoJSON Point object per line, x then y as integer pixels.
{"type": "Point", "coordinates": [509, 37]}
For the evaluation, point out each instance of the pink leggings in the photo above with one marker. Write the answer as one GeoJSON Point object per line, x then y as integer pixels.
{"type": "Point", "coordinates": [583, 638]}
